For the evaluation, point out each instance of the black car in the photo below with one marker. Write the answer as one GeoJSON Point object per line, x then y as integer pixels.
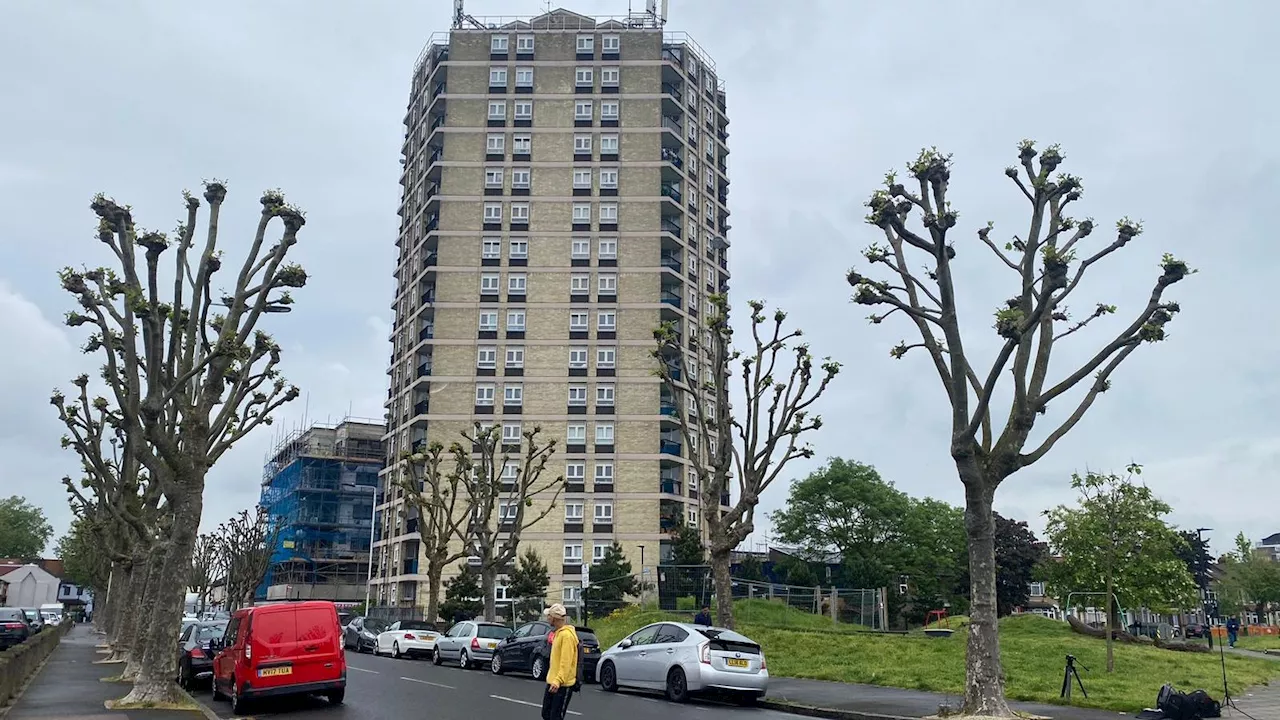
{"type": "Point", "coordinates": [14, 629]}
{"type": "Point", "coordinates": [195, 651]}
{"type": "Point", "coordinates": [361, 634]}
{"type": "Point", "coordinates": [529, 650]}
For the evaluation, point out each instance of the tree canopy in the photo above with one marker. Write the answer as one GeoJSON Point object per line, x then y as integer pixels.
{"type": "Point", "coordinates": [24, 530]}
{"type": "Point", "coordinates": [612, 580]}
{"type": "Point", "coordinates": [1249, 580]}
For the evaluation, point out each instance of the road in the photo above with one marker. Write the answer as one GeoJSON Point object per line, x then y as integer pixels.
{"type": "Point", "coordinates": [381, 688]}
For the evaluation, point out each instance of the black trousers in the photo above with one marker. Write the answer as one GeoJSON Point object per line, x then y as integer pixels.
{"type": "Point", "coordinates": [556, 704]}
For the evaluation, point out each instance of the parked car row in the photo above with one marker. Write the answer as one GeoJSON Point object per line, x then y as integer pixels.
{"type": "Point", "coordinates": [19, 624]}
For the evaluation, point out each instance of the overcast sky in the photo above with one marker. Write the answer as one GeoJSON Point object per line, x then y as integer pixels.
{"type": "Point", "coordinates": [1162, 108]}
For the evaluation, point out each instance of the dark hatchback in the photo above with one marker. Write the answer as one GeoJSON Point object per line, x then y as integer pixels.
{"type": "Point", "coordinates": [528, 649]}
{"type": "Point", "coordinates": [195, 652]}
{"type": "Point", "coordinates": [14, 629]}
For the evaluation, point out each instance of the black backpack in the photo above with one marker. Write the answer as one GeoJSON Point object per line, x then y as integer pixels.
{"type": "Point", "coordinates": [1177, 705]}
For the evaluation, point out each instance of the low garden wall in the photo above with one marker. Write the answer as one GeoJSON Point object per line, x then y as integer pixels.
{"type": "Point", "coordinates": [20, 662]}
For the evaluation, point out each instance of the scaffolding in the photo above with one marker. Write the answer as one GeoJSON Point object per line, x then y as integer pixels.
{"type": "Point", "coordinates": [320, 487]}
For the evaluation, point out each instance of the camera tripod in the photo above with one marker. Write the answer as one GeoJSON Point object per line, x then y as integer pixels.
{"type": "Point", "coordinates": [1071, 672]}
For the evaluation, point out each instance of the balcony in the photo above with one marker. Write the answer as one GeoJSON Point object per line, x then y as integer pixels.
{"type": "Point", "coordinates": [428, 296]}
{"type": "Point", "coordinates": [409, 567]}
{"type": "Point", "coordinates": [671, 487]}
{"type": "Point", "coordinates": [432, 222]}
{"type": "Point", "coordinates": [668, 447]}
{"type": "Point", "coordinates": [673, 91]}
{"type": "Point", "coordinates": [671, 298]}
{"type": "Point", "coordinates": [427, 332]}
{"type": "Point", "coordinates": [671, 191]}
{"type": "Point", "coordinates": [436, 155]}
{"type": "Point", "coordinates": [671, 261]}
{"type": "Point", "coordinates": [424, 370]}
{"type": "Point", "coordinates": [673, 228]}
{"type": "Point", "coordinates": [419, 445]}
{"type": "Point", "coordinates": [673, 125]}
{"type": "Point", "coordinates": [673, 157]}
{"type": "Point", "coordinates": [421, 408]}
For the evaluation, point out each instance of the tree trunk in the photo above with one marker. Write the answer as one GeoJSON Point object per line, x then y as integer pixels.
{"type": "Point", "coordinates": [1111, 627]}
{"type": "Point", "coordinates": [126, 586]}
{"type": "Point", "coordinates": [152, 571]}
{"type": "Point", "coordinates": [724, 587]}
{"type": "Point", "coordinates": [155, 681]}
{"type": "Point", "coordinates": [984, 676]}
{"type": "Point", "coordinates": [488, 582]}
{"type": "Point", "coordinates": [435, 571]}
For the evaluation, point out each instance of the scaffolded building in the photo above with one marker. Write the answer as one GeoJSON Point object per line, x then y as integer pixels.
{"type": "Point", "coordinates": [320, 486]}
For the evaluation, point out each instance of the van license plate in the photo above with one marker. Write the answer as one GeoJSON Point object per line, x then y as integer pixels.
{"type": "Point", "coordinates": [271, 672]}
{"type": "Point", "coordinates": [737, 663]}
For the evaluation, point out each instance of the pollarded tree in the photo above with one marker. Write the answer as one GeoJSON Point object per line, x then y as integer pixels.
{"type": "Point", "coordinates": [206, 559]}
{"type": "Point", "coordinates": [187, 381]}
{"type": "Point", "coordinates": [501, 491]}
{"type": "Point", "coordinates": [755, 444]}
{"type": "Point", "coordinates": [245, 544]}
{"type": "Point", "coordinates": [438, 500]}
{"type": "Point", "coordinates": [1029, 326]}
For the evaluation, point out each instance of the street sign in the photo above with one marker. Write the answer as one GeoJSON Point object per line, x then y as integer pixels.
{"type": "Point", "coordinates": [586, 574]}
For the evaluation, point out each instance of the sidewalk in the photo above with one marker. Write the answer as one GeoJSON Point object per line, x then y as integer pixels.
{"type": "Point", "coordinates": [70, 687]}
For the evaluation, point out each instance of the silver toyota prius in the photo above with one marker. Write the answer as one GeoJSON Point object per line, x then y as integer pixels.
{"type": "Point", "coordinates": [682, 659]}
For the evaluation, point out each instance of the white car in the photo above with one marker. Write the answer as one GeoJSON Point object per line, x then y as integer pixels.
{"type": "Point", "coordinates": [407, 637]}
{"type": "Point", "coordinates": [685, 659]}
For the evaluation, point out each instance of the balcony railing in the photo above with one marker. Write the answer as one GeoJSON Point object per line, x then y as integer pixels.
{"type": "Point", "coordinates": [672, 192]}
{"type": "Point", "coordinates": [424, 370]}
{"type": "Point", "coordinates": [668, 407]}
{"type": "Point", "coordinates": [669, 448]}
{"type": "Point", "coordinates": [673, 157]}
{"type": "Point", "coordinates": [420, 408]}
{"type": "Point", "coordinates": [409, 567]}
{"type": "Point", "coordinates": [671, 487]}
{"type": "Point", "coordinates": [673, 228]}
{"type": "Point", "coordinates": [440, 88]}
{"type": "Point", "coordinates": [672, 124]}
{"type": "Point", "coordinates": [673, 91]}
{"type": "Point", "coordinates": [670, 298]}
{"type": "Point", "coordinates": [427, 332]}
{"type": "Point", "coordinates": [428, 296]}
{"type": "Point", "coordinates": [418, 445]}
{"type": "Point", "coordinates": [432, 223]}
{"type": "Point", "coordinates": [671, 261]}
{"type": "Point", "coordinates": [436, 155]}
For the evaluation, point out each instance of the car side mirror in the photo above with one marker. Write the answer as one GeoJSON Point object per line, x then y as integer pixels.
{"type": "Point", "coordinates": [624, 643]}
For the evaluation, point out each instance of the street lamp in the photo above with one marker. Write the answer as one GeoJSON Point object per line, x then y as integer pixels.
{"type": "Point", "coordinates": [373, 522]}
{"type": "Point", "coordinates": [1203, 581]}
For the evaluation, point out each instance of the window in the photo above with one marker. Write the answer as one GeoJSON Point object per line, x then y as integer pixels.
{"type": "Point", "coordinates": [573, 553]}
{"type": "Point", "coordinates": [522, 144]}
{"type": "Point", "coordinates": [489, 284]}
{"type": "Point", "coordinates": [484, 394]}
{"type": "Point", "coordinates": [607, 284]}
{"type": "Point", "coordinates": [609, 76]}
{"type": "Point", "coordinates": [515, 357]}
{"type": "Point", "coordinates": [609, 144]}
{"type": "Point", "coordinates": [493, 212]}
{"type": "Point", "coordinates": [517, 284]}
{"type": "Point", "coordinates": [604, 397]}
{"type": "Point", "coordinates": [1036, 589]}
{"type": "Point", "coordinates": [586, 43]}
{"type": "Point", "coordinates": [711, 176]}
{"type": "Point", "coordinates": [510, 471]}
{"type": "Point", "coordinates": [609, 213]}
{"type": "Point", "coordinates": [582, 179]}
{"type": "Point", "coordinates": [490, 248]}
{"type": "Point", "coordinates": [583, 77]}
{"type": "Point", "coordinates": [578, 321]}
{"type": "Point", "coordinates": [580, 284]}
{"type": "Point", "coordinates": [524, 109]}
{"type": "Point", "coordinates": [496, 143]}
{"type": "Point", "coordinates": [575, 472]}
{"type": "Point", "coordinates": [576, 434]}
{"type": "Point", "coordinates": [599, 549]}
{"type": "Point", "coordinates": [497, 110]}
{"type": "Point", "coordinates": [571, 593]}
{"type": "Point", "coordinates": [604, 431]}
{"type": "Point", "coordinates": [692, 479]}
{"type": "Point", "coordinates": [521, 178]}
{"type": "Point", "coordinates": [581, 212]}
{"type": "Point", "coordinates": [607, 320]}
{"type": "Point", "coordinates": [497, 77]}
{"type": "Point", "coordinates": [606, 357]}
{"type": "Point", "coordinates": [710, 210]}
{"type": "Point", "coordinates": [581, 143]}
{"type": "Point", "coordinates": [582, 110]}
{"type": "Point", "coordinates": [486, 357]}
{"type": "Point", "coordinates": [498, 43]}
{"type": "Point", "coordinates": [524, 77]}
{"type": "Point", "coordinates": [519, 249]}
{"type": "Point", "coordinates": [512, 394]}
{"type": "Point", "coordinates": [610, 43]}
{"type": "Point", "coordinates": [573, 509]}
{"type": "Point", "coordinates": [603, 512]}
{"type": "Point", "coordinates": [609, 110]}
{"type": "Point", "coordinates": [711, 274]}
{"type": "Point", "coordinates": [608, 177]}
{"type": "Point", "coordinates": [524, 43]}
{"type": "Point", "coordinates": [608, 249]}
{"type": "Point", "coordinates": [693, 518]}
{"type": "Point", "coordinates": [520, 212]}
{"type": "Point", "coordinates": [515, 321]}
{"type": "Point", "coordinates": [577, 357]}
{"type": "Point", "coordinates": [577, 394]}
{"type": "Point", "coordinates": [581, 248]}
{"type": "Point", "coordinates": [510, 432]}
{"type": "Point", "coordinates": [604, 472]}
{"type": "Point", "coordinates": [493, 177]}
{"type": "Point", "coordinates": [488, 320]}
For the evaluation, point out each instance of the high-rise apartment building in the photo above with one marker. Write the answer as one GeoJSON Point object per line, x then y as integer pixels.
{"type": "Point", "coordinates": [565, 183]}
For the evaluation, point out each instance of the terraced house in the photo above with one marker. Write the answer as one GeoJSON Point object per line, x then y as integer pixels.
{"type": "Point", "coordinates": [565, 187]}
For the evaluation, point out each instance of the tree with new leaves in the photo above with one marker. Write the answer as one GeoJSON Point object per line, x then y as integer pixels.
{"type": "Point", "coordinates": [1116, 541]}
{"type": "Point", "coordinates": [1249, 580]}
{"type": "Point", "coordinates": [245, 544]}
{"type": "Point", "coordinates": [686, 546]}
{"type": "Point", "coordinates": [1048, 263]}
{"type": "Point", "coordinates": [83, 563]}
{"type": "Point", "coordinates": [24, 530]}
{"type": "Point", "coordinates": [753, 445]}
{"type": "Point", "coordinates": [187, 370]}
{"type": "Point", "coordinates": [1019, 555]}
{"type": "Point", "coordinates": [502, 489]}
{"type": "Point", "coordinates": [439, 501]}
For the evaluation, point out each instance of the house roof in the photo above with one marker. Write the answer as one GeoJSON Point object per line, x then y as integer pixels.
{"type": "Point", "coordinates": [53, 566]}
{"type": "Point", "coordinates": [1273, 539]}
{"type": "Point", "coordinates": [6, 568]}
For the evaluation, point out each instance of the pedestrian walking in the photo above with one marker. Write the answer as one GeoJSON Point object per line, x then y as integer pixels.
{"type": "Point", "coordinates": [1233, 629]}
{"type": "Point", "coordinates": [562, 675]}
{"type": "Point", "coordinates": [703, 617]}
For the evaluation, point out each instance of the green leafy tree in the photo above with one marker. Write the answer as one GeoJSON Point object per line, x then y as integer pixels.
{"type": "Point", "coordinates": [1116, 541]}
{"type": "Point", "coordinates": [612, 581]}
{"type": "Point", "coordinates": [1249, 580]}
{"type": "Point", "coordinates": [24, 530]}
{"type": "Point", "coordinates": [462, 595]}
{"type": "Point", "coordinates": [83, 561]}
{"type": "Point", "coordinates": [687, 547]}
{"type": "Point", "coordinates": [1195, 554]}
{"type": "Point", "coordinates": [932, 553]}
{"type": "Point", "coordinates": [1046, 262]}
{"type": "Point", "coordinates": [1019, 554]}
{"type": "Point", "coordinates": [527, 584]}
{"type": "Point", "coordinates": [796, 571]}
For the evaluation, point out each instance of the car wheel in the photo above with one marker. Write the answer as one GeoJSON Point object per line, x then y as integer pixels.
{"type": "Point", "coordinates": [495, 665]}
{"type": "Point", "coordinates": [608, 678]}
{"type": "Point", "coordinates": [395, 649]}
{"type": "Point", "coordinates": [464, 662]}
{"type": "Point", "coordinates": [677, 686]}
{"type": "Point", "coordinates": [238, 704]}
{"type": "Point", "coordinates": [436, 659]}
{"type": "Point", "coordinates": [538, 669]}
{"type": "Point", "coordinates": [184, 677]}
{"type": "Point", "coordinates": [336, 696]}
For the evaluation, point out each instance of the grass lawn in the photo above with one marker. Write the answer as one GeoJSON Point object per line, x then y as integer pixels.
{"type": "Point", "coordinates": [1034, 650]}
{"type": "Point", "coordinates": [1258, 642]}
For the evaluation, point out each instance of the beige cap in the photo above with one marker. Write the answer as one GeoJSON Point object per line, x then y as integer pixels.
{"type": "Point", "coordinates": [556, 611]}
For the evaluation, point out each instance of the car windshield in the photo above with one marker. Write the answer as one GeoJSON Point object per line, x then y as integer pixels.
{"type": "Point", "coordinates": [416, 625]}
{"type": "Point", "coordinates": [31, 613]}
{"type": "Point", "coordinates": [209, 632]}
{"type": "Point", "coordinates": [493, 632]}
{"type": "Point", "coordinates": [374, 626]}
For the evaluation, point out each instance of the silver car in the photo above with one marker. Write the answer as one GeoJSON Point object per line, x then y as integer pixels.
{"type": "Point", "coordinates": [470, 643]}
{"type": "Point", "coordinates": [682, 659]}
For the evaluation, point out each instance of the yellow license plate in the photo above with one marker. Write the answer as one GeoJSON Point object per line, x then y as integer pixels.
{"type": "Point", "coordinates": [737, 662]}
{"type": "Point", "coordinates": [272, 672]}
{"type": "Point", "coordinates": [491, 645]}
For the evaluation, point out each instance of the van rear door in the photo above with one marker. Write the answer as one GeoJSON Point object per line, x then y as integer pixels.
{"type": "Point", "coordinates": [318, 651]}
{"type": "Point", "coordinates": [273, 636]}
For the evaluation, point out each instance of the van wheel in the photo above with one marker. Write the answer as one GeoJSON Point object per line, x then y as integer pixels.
{"type": "Point", "coordinates": [238, 704]}
{"type": "Point", "coordinates": [677, 686]}
{"type": "Point", "coordinates": [336, 696]}
{"type": "Point", "coordinates": [608, 678]}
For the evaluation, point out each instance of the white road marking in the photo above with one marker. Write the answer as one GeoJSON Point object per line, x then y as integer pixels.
{"type": "Point", "coordinates": [353, 667]}
{"type": "Point", "coordinates": [428, 682]}
{"type": "Point", "coordinates": [526, 702]}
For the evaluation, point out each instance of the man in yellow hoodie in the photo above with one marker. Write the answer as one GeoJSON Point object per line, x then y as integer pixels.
{"type": "Point", "coordinates": [562, 676]}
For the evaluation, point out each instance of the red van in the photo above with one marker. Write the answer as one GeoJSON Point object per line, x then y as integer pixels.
{"type": "Point", "coordinates": [288, 648]}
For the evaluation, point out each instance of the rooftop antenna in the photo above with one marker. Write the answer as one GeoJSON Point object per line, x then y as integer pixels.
{"type": "Point", "coordinates": [659, 17]}
{"type": "Point", "coordinates": [461, 18]}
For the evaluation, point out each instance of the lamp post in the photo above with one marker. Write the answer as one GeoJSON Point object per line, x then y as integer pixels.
{"type": "Point", "coordinates": [373, 523]}
{"type": "Point", "coordinates": [1203, 581]}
